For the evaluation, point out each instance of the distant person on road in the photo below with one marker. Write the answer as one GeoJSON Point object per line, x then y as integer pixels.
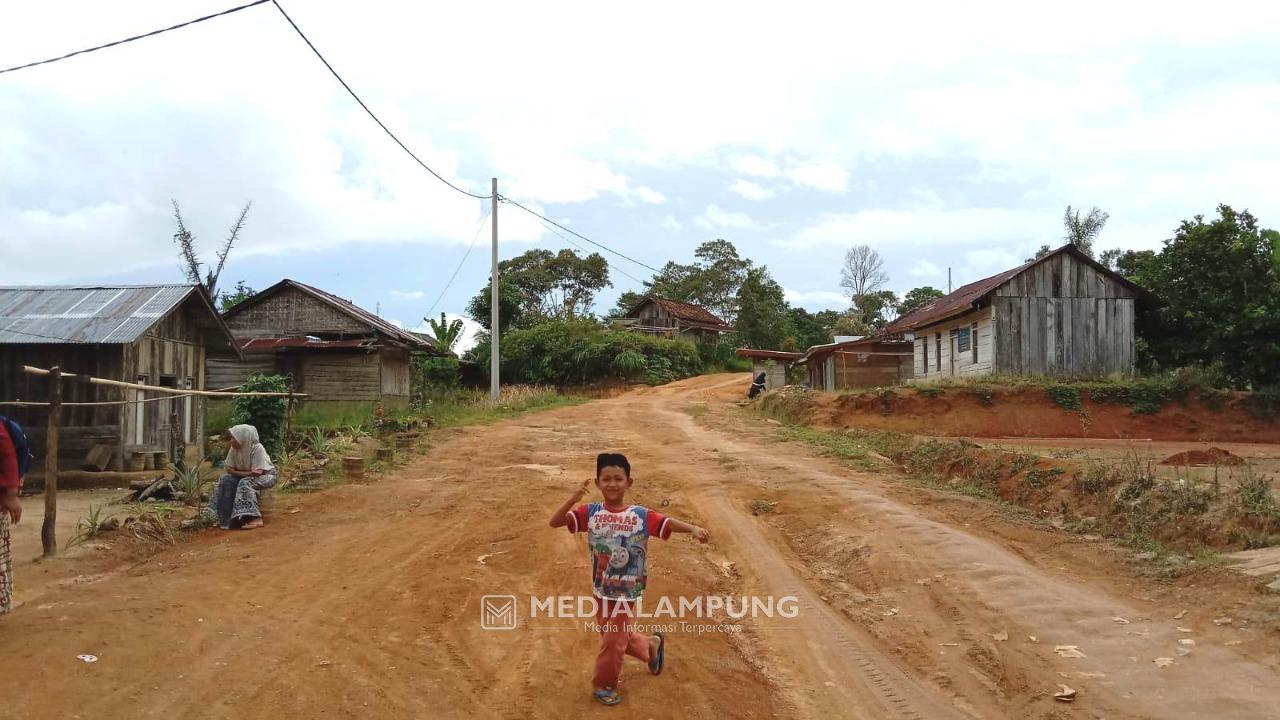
{"type": "Point", "coordinates": [10, 511]}
{"type": "Point", "coordinates": [757, 387]}
{"type": "Point", "coordinates": [617, 537]}
{"type": "Point", "coordinates": [248, 471]}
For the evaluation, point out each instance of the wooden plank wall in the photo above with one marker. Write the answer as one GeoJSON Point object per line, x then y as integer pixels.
{"type": "Point", "coordinates": [292, 312]}
{"type": "Point", "coordinates": [82, 427]}
{"type": "Point", "coordinates": [171, 353]}
{"type": "Point", "coordinates": [1063, 318]}
{"type": "Point", "coordinates": [862, 370]}
{"type": "Point", "coordinates": [225, 372]}
{"type": "Point", "coordinates": [336, 376]}
{"type": "Point", "coordinates": [965, 364]}
{"type": "Point", "coordinates": [395, 372]}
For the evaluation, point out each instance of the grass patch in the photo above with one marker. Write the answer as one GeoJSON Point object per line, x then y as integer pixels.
{"type": "Point", "coordinates": [841, 446]}
{"type": "Point", "coordinates": [1066, 397]}
{"type": "Point", "coordinates": [760, 507]}
{"type": "Point", "coordinates": [932, 392]}
{"type": "Point", "coordinates": [448, 408]}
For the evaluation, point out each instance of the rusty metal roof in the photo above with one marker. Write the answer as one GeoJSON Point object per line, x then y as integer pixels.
{"type": "Point", "coordinates": [684, 311]}
{"type": "Point", "coordinates": [102, 314]}
{"type": "Point", "coordinates": [769, 354]}
{"type": "Point", "coordinates": [303, 341]}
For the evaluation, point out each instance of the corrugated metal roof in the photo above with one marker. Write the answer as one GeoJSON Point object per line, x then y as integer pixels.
{"type": "Point", "coordinates": [109, 315]}
{"type": "Point", "coordinates": [260, 344]}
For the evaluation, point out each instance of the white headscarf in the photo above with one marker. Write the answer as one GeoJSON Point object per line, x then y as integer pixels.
{"type": "Point", "coordinates": [250, 455]}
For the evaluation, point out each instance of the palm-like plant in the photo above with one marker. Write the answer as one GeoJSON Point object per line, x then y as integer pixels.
{"type": "Point", "coordinates": [445, 334]}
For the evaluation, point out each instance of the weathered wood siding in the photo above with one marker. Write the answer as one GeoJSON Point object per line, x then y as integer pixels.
{"type": "Point", "coordinates": [292, 312]}
{"type": "Point", "coordinates": [341, 377]}
{"type": "Point", "coordinates": [82, 427]}
{"type": "Point", "coordinates": [940, 365]}
{"type": "Point", "coordinates": [226, 372]}
{"type": "Point", "coordinates": [1063, 318]}
{"type": "Point", "coordinates": [395, 375]}
{"type": "Point", "coordinates": [170, 354]}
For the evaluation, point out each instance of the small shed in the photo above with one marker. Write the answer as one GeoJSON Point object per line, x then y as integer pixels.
{"type": "Point", "coordinates": [158, 335]}
{"type": "Point", "coordinates": [773, 363]}
{"type": "Point", "coordinates": [1063, 315]}
{"type": "Point", "coordinates": [867, 362]}
{"type": "Point", "coordinates": [335, 351]}
{"type": "Point", "coordinates": [674, 319]}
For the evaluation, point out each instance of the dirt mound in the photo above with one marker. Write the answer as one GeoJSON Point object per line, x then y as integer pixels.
{"type": "Point", "coordinates": [1203, 458]}
{"type": "Point", "coordinates": [1020, 411]}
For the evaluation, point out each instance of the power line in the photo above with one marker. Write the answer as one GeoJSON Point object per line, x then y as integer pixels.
{"type": "Point", "coordinates": [612, 266]}
{"type": "Point", "coordinates": [356, 97]}
{"type": "Point", "coordinates": [579, 235]}
{"type": "Point", "coordinates": [461, 262]}
{"type": "Point", "coordinates": [135, 37]}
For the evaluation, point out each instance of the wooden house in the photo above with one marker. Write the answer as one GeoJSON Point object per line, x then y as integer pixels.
{"type": "Point", "coordinates": [1062, 315]}
{"type": "Point", "coordinates": [674, 319]}
{"type": "Point", "coordinates": [333, 350]}
{"type": "Point", "coordinates": [862, 363]}
{"type": "Point", "coordinates": [773, 363]}
{"type": "Point", "coordinates": [148, 334]}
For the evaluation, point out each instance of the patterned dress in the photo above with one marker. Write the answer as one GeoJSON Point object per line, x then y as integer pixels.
{"type": "Point", "coordinates": [6, 566]}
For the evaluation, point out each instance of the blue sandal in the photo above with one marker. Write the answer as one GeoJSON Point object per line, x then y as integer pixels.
{"type": "Point", "coordinates": [656, 662]}
{"type": "Point", "coordinates": [608, 696]}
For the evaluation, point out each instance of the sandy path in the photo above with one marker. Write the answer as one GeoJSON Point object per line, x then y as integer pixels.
{"type": "Point", "coordinates": [365, 601]}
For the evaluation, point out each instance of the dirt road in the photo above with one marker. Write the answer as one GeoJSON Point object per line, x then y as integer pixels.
{"type": "Point", "coordinates": [365, 601]}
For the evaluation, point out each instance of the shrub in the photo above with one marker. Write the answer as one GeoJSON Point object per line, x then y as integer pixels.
{"type": "Point", "coordinates": [267, 414]}
{"type": "Point", "coordinates": [1066, 397]}
{"type": "Point", "coordinates": [432, 372]}
{"type": "Point", "coordinates": [580, 352]}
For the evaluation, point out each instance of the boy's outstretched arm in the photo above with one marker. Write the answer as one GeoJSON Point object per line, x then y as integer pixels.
{"type": "Point", "coordinates": [561, 516]}
{"type": "Point", "coordinates": [680, 526]}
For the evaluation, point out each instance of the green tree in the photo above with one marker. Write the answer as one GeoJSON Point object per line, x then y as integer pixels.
{"type": "Point", "coordinates": [712, 281]}
{"type": "Point", "coordinates": [1082, 231]}
{"type": "Point", "coordinates": [917, 297]}
{"type": "Point", "coordinates": [540, 285]}
{"type": "Point", "coordinates": [1218, 283]}
{"type": "Point", "coordinates": [811, 329]}
{"type": "Point", "coordinates": [228, 300]}
{"type": "Point", "coordinates": [445, 334]}
{"type": "Point", "coordinates": [762, 320]}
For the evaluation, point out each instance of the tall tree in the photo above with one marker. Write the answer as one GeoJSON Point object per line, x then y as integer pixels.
{"type": "Point", "coordinates": [511, 313]}
{"type": "Point", "coordinates": [191, 264]}
{"type": "Point", "coordinates": [545, 286]}
{"type": "Point", "coordinates": [1219, 286]}
{"type": "Point", "coordinates": [862, 272]}
{"type": "Point", "coordinates": [445, 334]}
{"type": "Point", "coordinates": [712, 281]}
{"type": "Point", "coordinates": [1083, 230]}
{"type": "Point", "coordinates": [917, 297]}
{"type": "Point", "coordinates": [811, 329]}
{"type": "Point", "coordinates": [762, 311]}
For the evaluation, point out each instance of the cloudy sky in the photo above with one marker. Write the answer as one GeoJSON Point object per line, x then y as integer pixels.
{"type": "Point", "coordinates": [943, 135]}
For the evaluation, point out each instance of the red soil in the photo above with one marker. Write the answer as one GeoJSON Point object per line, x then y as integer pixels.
{"type": "Point", "coordinates": [1028, 412]}
{"type": "Point", "coordinates": [1203, 458]}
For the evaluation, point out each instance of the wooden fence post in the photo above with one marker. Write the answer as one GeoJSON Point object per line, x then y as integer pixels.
{"type": "Point", "coordinates": [48, 536]}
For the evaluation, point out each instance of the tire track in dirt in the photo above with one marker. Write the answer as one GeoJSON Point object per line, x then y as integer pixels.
{"type": "Point", "coordinates": [1006, 588]}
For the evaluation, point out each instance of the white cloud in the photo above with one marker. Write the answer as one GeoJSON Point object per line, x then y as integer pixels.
{"type": "Point", "coordinates": [411, 294]}
{"type": "Point", "coordinates": [755, 166]}
{"type": "Point", "coordinates": [826, 176]}
{"type": "Point", "coordinates": [925, 269]}
{"type": "Point", "coordinates": [929, 228]}
{"type": "Point", "coordinates": [716, 217]}
{"type": "Point", "coordinates": [751, 191]}
{"type": "Point", "coordinates": [649, 195]}
{"type": "Point", "coordinates": [822, 298]}
{"type": "Point", "coordinates": [670, 223]}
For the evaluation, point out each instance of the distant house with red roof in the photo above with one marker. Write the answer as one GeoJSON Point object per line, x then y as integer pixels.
{"type": "Point", "coordinates": [1063, 315]}
{"type": "Point", "coordinates": [334, 350]}
{"type": "Point", "coordinates": [674, 319]}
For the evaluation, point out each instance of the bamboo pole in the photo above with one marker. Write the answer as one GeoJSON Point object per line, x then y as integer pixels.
{"type": "Point", "coordinates": [48, 534]}
{"type": "Point", "coordinates": [156, 388]}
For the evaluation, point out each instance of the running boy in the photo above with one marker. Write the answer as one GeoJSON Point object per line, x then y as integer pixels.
{"type": "Point", "coordinates": [617, 535]}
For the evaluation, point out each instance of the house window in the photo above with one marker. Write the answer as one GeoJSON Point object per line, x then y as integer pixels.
{"type": "Point", "coordinates": [962, 340]}
{"type": "Point", "coordinates": [924, 345]}
{"type": "Point", "coordinates": [974, 332]}
{"type": "Point", "coordinates": [937, 347]}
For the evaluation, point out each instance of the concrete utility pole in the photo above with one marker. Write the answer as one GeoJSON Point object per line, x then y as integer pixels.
{"type": "Point", "coordinates": [493, 300]}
